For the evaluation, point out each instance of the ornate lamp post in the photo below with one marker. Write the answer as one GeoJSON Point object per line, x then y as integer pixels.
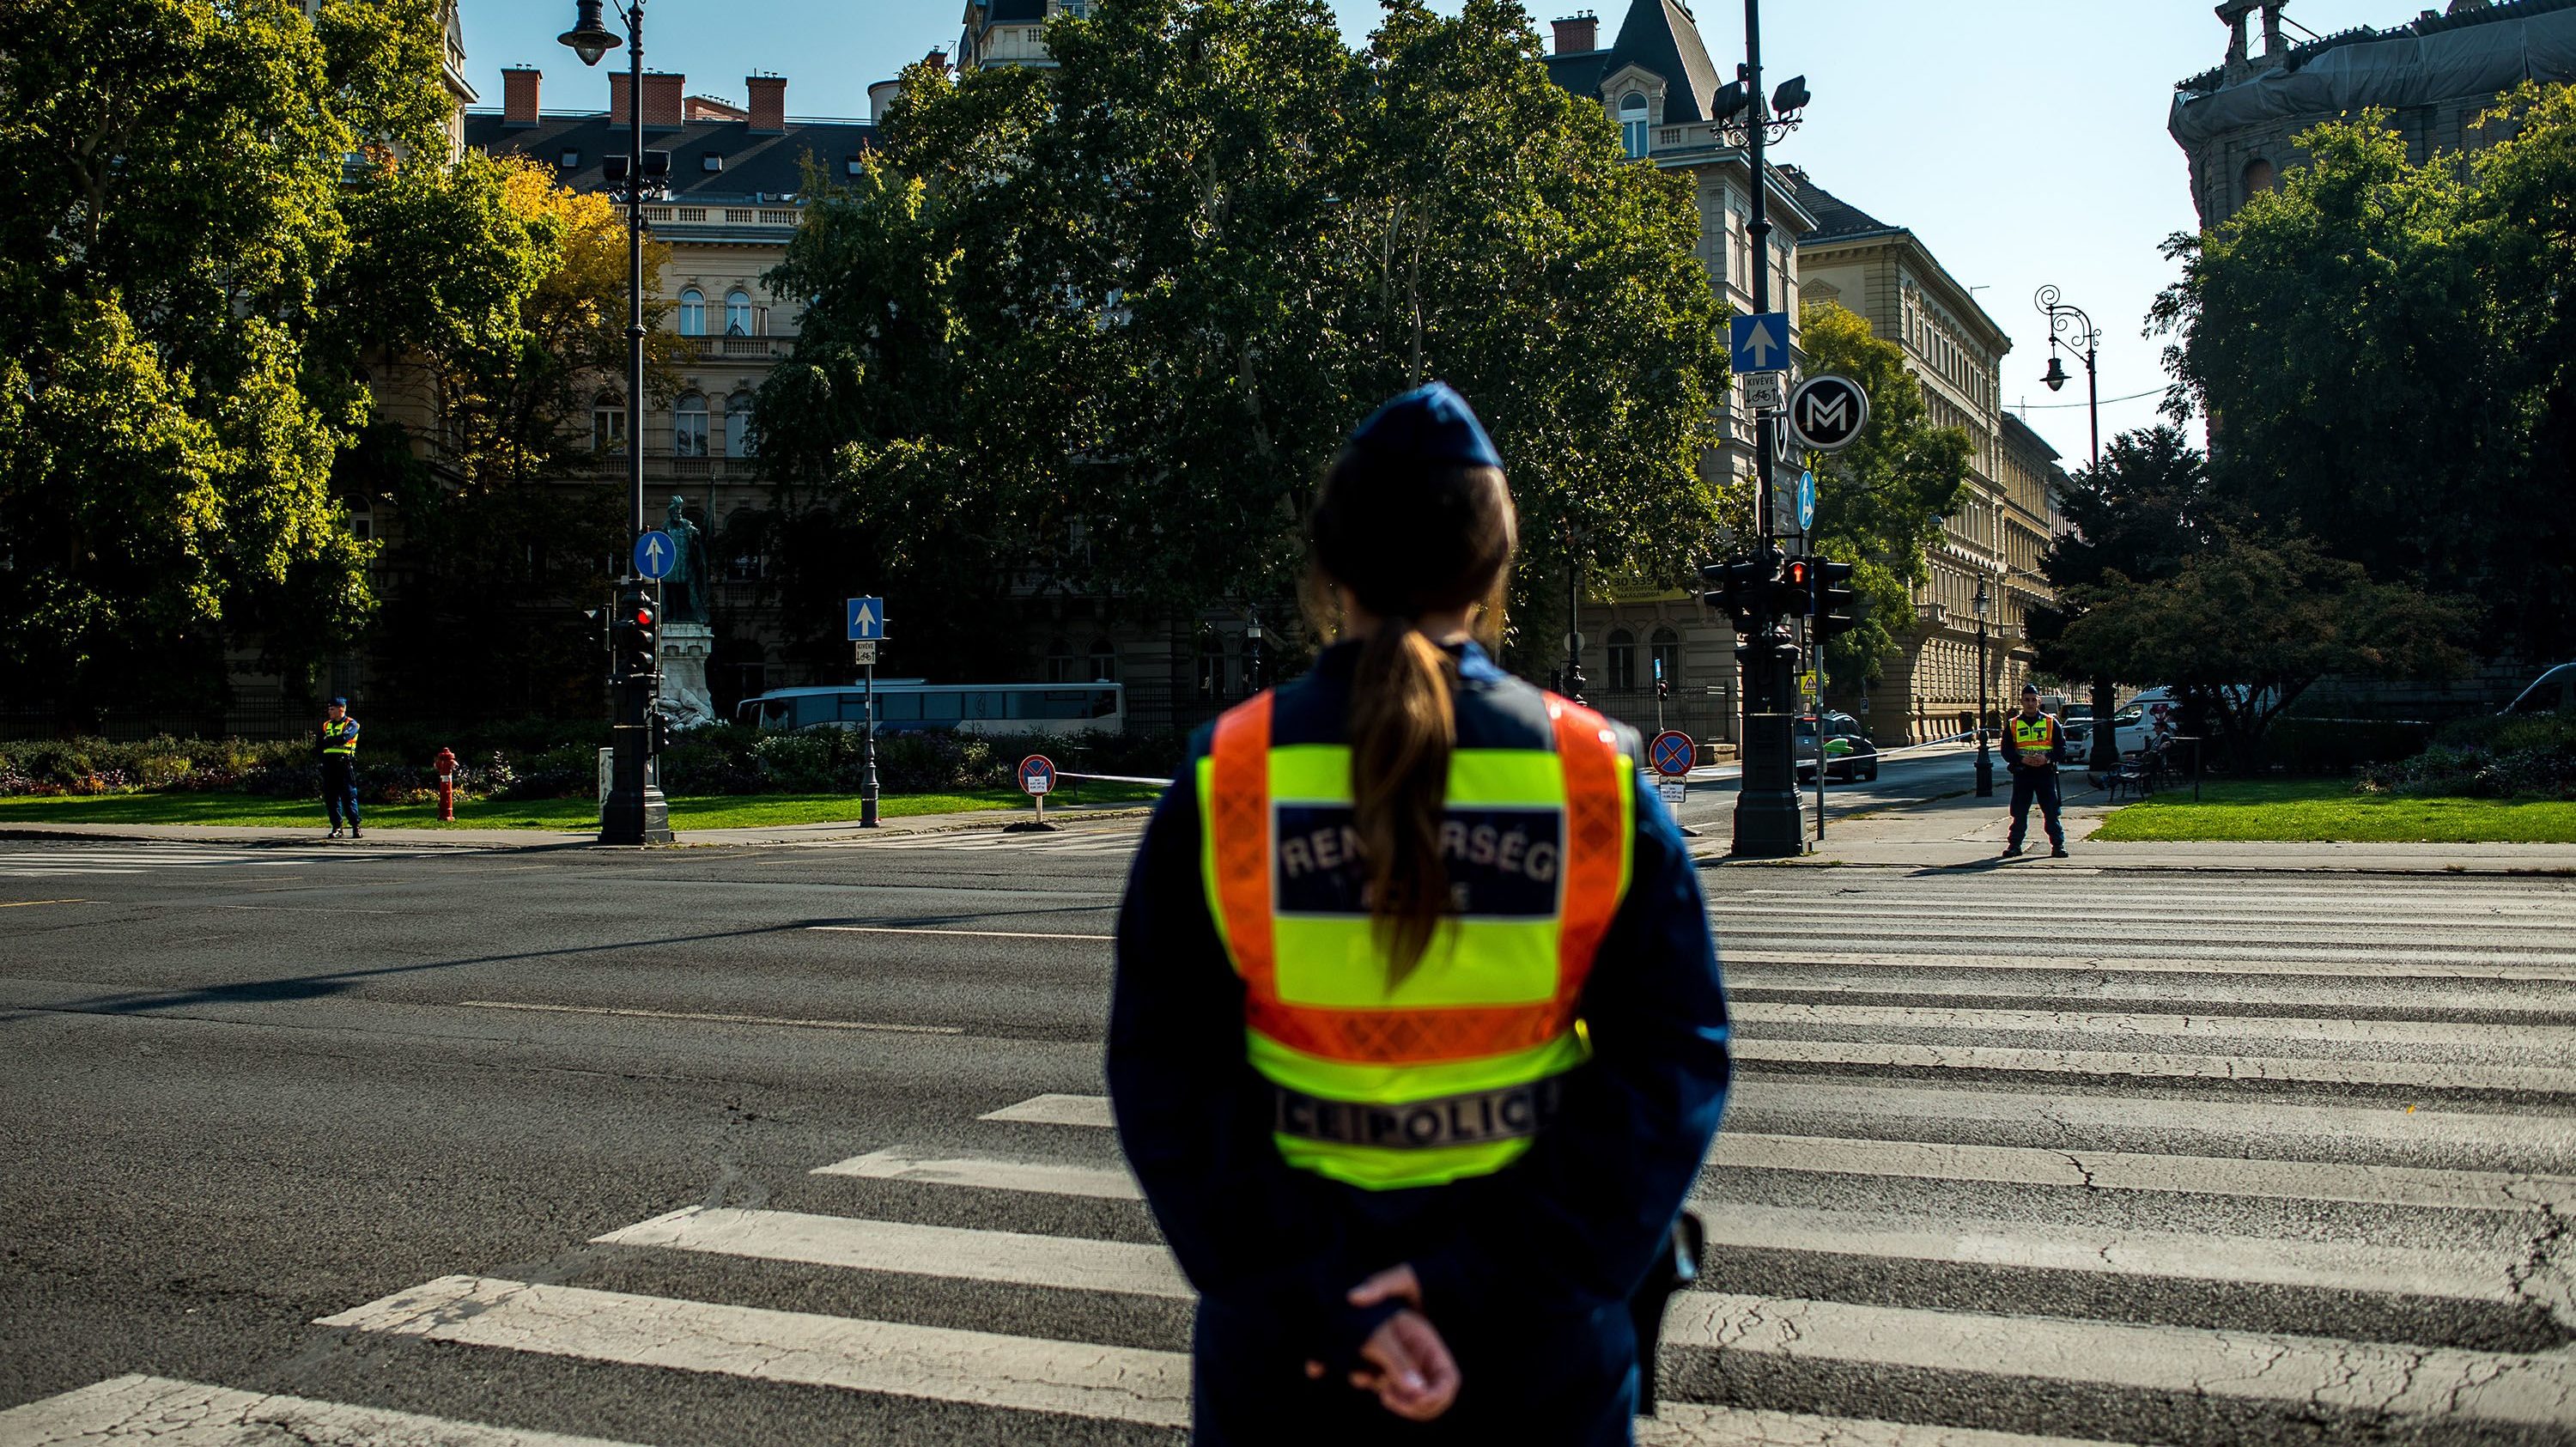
{"type": "Point", "coordinates": [1575, 538]}
{"type": "Point", "coordinates": [1985, 760]}
{"type": "Point", "coordinates": [2084, 339]}
{"type": "Point", "coordinates": [635, 812]}
{"type": "Point", "coordinates": [1252, 651]}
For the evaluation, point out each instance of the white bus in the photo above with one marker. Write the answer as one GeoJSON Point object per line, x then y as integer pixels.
{"type": "Point", "coordinates": [910, 705]}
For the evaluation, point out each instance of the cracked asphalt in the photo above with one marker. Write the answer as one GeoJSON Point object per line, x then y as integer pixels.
{"type": "Point", "coordinates": [2186, 1158]}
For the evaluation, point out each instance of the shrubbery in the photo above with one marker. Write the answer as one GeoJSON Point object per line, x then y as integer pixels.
{"type": "Point", "coordinates": [555, 761]}
{"type": "Point", "coordinates": [2493, 757]}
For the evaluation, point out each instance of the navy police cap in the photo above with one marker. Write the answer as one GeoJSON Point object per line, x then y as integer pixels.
{"type": "Point", "coordinates": [1431, 423]}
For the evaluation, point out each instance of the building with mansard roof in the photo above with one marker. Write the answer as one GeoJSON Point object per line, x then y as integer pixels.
{"type": "Point", "coordinates": [2434, 75]}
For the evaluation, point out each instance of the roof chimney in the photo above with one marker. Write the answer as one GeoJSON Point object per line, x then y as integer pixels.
{"type": "Point", "coordinates": [663, 95]}
{"type": "Point", "coordinates": [519, 96]}
{"type": "Point", "coordinates": [1578, 34]}
{"type": "Point", "coordinates": [768, 103]}
{"type": "Point", "coordinates": [621, 105]}
{"type": "Point", "coordinates": [937, 59]}
{"type": "Point", "coordinates": [880, 96]}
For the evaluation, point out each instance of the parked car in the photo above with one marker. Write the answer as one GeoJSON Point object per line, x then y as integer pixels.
{"type": "Point", "coordinates": [2552, 692]}
{"type": "Point", "coordinates": [2131, 728]}
{"type": "Point", "coordinates": [1848, 752]}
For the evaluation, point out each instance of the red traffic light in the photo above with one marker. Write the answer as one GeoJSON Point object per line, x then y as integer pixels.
{"type": "Point", "coordinates": [1797, 574]}
{"type": "Point", "coordinates": [643, 617]}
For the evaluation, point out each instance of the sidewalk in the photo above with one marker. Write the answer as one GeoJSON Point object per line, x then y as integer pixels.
{"type": "Point", "coordinates": [470, 840]}
{"type": "Point", "coordinates": [1967, 833]}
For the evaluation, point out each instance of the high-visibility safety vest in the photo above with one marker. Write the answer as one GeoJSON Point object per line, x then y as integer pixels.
{"type": "Point", "coordinates": [1452, 1072]}
{"type": "Point", "coordinates": [2033, 739]}
{"type": "Point", "coordinates": [340, 740]}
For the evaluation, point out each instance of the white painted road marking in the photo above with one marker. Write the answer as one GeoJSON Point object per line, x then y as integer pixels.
{"type": "Point", "coordinates": [969, 934]}
{"type": "Point", "coordinates": [929, 1362]}
{"type": "Point", "coordinates": [2420, 1075]}
{"type": "Point", "coordinates": [1688, 1424]}
{"type": "Point", "coordinates": [895, 1163]}
{"type": "Point", "coordinates": [958, 1252]}
{"type": "Point", "coordinates": [2439, 1382]}
{"type": "Point", "coordinates": [696, 1017]}
{"type": "Point", "coordinates": [1092, 1110]}
{"type": "Point", "coordinates": [168, 1413]}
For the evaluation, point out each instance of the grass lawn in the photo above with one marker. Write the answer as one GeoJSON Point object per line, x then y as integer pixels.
{"type": "Point", "coordinates": [2328, 809]}
{"type": "Point", "coordinates": [719, 811]}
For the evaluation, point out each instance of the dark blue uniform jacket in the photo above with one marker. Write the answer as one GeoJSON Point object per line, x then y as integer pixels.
{"type": "Point", "coordinates": [1527, 1271]}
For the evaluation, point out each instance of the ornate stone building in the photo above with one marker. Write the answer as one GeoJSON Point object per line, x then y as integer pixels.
{"type": "Point", "coordinates": [2434, 75]}
{"type": "Point", "coordinates": [1892, 280]}
{"type": "Point", "coordinates": [1657, 80]}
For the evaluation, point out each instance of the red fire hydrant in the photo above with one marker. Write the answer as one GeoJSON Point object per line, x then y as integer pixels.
{"type": "Point", "coordinates": [447, 786]}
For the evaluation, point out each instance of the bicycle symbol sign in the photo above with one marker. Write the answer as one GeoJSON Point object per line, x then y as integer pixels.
{"type": "Point", "coordinates": [1672, 753]}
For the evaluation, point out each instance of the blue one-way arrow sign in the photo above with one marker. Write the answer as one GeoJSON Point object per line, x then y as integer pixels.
{"type": "Point", "coordinates": [867, 620]}
{"type": "Point", "coordinates": [656, 555]}
{"type": "Point", "coordinates": [1762, 342]}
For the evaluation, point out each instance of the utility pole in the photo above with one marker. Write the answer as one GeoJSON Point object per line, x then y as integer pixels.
{"type": "Point", "coordinates": [1769, 824]}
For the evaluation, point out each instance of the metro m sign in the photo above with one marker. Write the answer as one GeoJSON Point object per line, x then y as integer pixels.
{"type": "Point", "coordinates": [1827, 412]}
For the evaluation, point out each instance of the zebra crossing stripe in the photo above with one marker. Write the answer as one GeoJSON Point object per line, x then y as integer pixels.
{"type": "Point", "coordinates": [2421, 1075]}
{"type": "Point", "coordinates": [169, 1413]}
{"type": "Point", "coordinates": [895, 1163]}
{"type": "Point", "coordinates": [955, 1252]}
{"type": "Point", "coordinates": [945, 1364]}
{"type": "Point", "coordinates": [2555, 1041]}
{"type": "Point", "coordinates": [1088, 1110]}
{"type": "Point", "coordinates": [2321, 1373]}
{"type": "Point", "coordinates": [1688, 1424]}
{"type": "Point", "coordinates": [2379, 968]}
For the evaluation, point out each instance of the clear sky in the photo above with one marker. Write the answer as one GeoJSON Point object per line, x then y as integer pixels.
{"type": "Point", "coordinates": [2023, 140]}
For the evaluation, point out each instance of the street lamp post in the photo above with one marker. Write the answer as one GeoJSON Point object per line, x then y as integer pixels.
{"type": "Point", "coordinates": [1985, 760]}
{"type": "Point", "coordinates": [1574, 538]}
{"type": "Point", "coordinates": [2084, 339]}
{"type": "Point", "coordinates": [1252, 651]}
{"type": "Point", "coordinates": [635, 812]}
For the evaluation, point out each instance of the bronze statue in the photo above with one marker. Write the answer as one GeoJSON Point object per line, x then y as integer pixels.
{"type": "Point", "coordinates": [684, 591]}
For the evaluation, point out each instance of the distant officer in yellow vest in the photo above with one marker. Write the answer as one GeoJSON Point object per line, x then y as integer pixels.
{"type": "Point", "coordinates": [1417, 1039]}
{"type": "Point", "coordinates": [2034, 745]}
{"type": "Point", "coordinates": [336, 745]}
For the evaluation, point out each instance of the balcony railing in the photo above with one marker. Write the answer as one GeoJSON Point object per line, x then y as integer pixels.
{"type": "Point", "coordinates": [743, 349]}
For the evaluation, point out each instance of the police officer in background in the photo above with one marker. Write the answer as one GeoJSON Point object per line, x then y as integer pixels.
{"type": "Point", "coordinates": [1417, 1039]}
{"type": "Point", "coordinates": [336, 745]}
{"type": "Point", "coordinates": [2034, 745]}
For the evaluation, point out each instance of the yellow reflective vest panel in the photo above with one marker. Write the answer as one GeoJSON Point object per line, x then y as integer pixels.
{"type": "Point", "coordinates": [1448, 1073]}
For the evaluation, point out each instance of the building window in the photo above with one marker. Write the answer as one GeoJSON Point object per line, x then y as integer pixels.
{"type": "Point", "coordinates": [854, 165]}
{"type": "Point", "coordinates": [1623, 661]}
{"type": "Point", "coordinates": [689, 427]}
{"type": "Point", "coordinates": [737, 313]}
{"type": "Point", "coordinates": [710, 161]}
{"type": "Point", "coordinates": [608, 424]}
{"type": "Point", "coordinates": [571, 160]}
{"type": "Point", "coordinates": [1060, 663]}
{"type": "Point", "coordinates": [2258, 177]}
{"type": "Point", "coordinates": [693, 313]}
{"type": "Point", "coordinates": [1632, 124]}
{"type": "Point", "coordinates": [1104, 661]}
{"type": "Point", "coordinates": [1211, 665]}
{"type": "Point", "coordinates": [738, 439]}
{"type": "Point", "coordinates": [1667, 648]}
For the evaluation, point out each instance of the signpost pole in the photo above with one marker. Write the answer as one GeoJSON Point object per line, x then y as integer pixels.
{"type": "Point", "coordinates": [868, 764]}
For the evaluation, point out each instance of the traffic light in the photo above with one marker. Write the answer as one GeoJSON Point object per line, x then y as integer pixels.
{"type": "Point", "coordinates": [637, 645]}
{"type": "Point", "coordinates": [1836, 602]}
{"type": "Point", "coordinates": [1794, 595]}
{"type": "Point", "coordinates": [1738, 587]}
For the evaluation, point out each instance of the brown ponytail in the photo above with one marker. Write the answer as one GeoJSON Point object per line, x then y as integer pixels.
{"type": "Point", "coordinates": [1403, 541]}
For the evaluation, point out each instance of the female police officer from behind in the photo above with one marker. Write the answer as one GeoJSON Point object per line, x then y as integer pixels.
{"type": "Point", "coordinates": [1417, 1039]}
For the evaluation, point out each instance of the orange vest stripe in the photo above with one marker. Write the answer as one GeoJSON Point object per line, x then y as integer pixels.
{"type": "Point", "coordinates": [1596, 865]}
{"type": "Point", "coordinates": [1239, 832]}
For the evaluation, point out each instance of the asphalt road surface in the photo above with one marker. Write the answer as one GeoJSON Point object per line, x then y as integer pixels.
{"type": "Point", "coordinates": [805, 1145]}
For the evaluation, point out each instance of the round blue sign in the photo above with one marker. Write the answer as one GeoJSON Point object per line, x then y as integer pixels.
{"type": "Point", "coordinates": [1672, 754]}
{"type": "Point", "coordinates": [656, 555]}
{"type": "Point", "coordinates": [1806, 501]}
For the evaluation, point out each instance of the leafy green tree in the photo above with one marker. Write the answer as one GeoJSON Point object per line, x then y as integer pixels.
{"type": "Point", "coordinates": [175, 203]}
{"type": "Point", "coordinates": [2383, 350]}
{"type": "Point", "coordinates": [1880, 501]}
{"type": "Point", "coordinates": [1099, 328]}
{"type": "Point", "coordinates": [2250, 622]}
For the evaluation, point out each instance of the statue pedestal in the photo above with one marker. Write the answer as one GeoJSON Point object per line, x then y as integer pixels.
{"type": "Point", "coordinates": [685, 648]}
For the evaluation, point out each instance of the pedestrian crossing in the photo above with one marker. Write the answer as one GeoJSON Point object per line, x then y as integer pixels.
{"type": "Point", "coordinates": [1095, 841]}
{"type": "Point", "coordinates": [55, 861]}
{"type": "Point", "coordinates": [2296, 1174]}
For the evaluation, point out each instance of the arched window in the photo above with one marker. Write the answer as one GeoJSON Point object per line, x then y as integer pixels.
{"type": "Point", "coordinates": [689, 427]}
{"type": "Point", "coordinates": [1211, 664]}
{"type": "Point", "coordinates": [693, 313]}
{"type": "Point", "coordinates": [1623, 661]}
{"type": "Point", "coordinates": [2259, 176]}
{"type": "Point", "coordinates": [737, 313]}
{"type": "Point", "coordinates": [1632, 124]}
{"type": "Point", "coordinates": [1060, 662]}
{"type": "Point", "coordinates": [1666, 646]}
{"type": "Point", "coordinates": [1104, 661]}
{"type": "Point", "coordinates": [738, 438]}
{"type": "Point", "coordinates": [608, 424]}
